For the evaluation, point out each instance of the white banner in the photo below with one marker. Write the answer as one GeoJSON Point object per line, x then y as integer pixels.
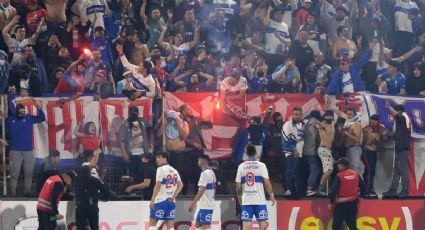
{"type": "Point", "coordinates": [61, 120]}
{"type": "Point", "coordinates": [57, 131]}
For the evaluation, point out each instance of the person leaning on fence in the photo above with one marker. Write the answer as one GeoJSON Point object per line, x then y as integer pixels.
{"type": "Point", "coordinates": [402, 136]}
{"type": "Point", "coordinates": [48, 168]}
{"type": "Point", "coordinates": [144, 180]}
{"type": "Point", "coordinates": [134, 139]}
{"type": "Point", "coordinates": [20, 127]}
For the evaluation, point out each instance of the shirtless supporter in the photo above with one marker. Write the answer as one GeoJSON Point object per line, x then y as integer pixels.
{"type": "Point", "coordinates": [7, 13]}
{"type": "Point", "coordinates": [326, 133]}
{"type": "Point", "coordinates": [56, 18]}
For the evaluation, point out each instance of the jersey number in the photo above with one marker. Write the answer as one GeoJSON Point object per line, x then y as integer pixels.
{"type": "Point", "coordinates": [171, 181]}
{"type": "Point", "coordinates": [250, 179]}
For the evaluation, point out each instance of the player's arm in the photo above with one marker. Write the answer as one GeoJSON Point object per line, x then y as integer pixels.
{"type": "Point", "coordinates": [239, 192]}
{"type": "Point", "coordinates": [267, 184]}
{"type": "Point", "coordinates": [155, 193]}
{"type": "Point", "coordinates": [178, 190]}
{"type": "Point", "coordinates": [269, 189]}
{"type": "Point", "coordinates": [238, 181]}
{"type": "Point", "coordinates": [198, 196]}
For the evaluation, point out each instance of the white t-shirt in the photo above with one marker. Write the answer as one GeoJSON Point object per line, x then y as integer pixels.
{"type": "Point", "coordinates": [375, 53]}
{"type": "Point", "coordinates": [347, 83]}
{"type": "Point", "coordinates": [273, 44]}
{"type": "Point", "coordinates": [241, 85]}
{"type": "Point", "coordinates": [169, 178]}
{"type": "Point", "coordinates": [207, 180]}
{"type": "Point", "coordinates": [251, 175]}
{"type": "Point", "coordinates": [402, 10]}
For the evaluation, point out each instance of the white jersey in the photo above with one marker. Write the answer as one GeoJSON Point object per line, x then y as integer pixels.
{"type": "Point", "coordinates": [207, 180]}
{"type": "Point", "coordinates": [273, 44]}
{"type": "Point", "coordinates": [402, 10]}
{"type": "Point", "coordinates": [251, 175]}
{"type": "Point", "coordinates": [241, 85]}
{"type": "Point", "coordinates": [169, 178]}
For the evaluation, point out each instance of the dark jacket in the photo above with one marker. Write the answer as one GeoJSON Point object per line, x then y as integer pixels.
{"type": "Point", "coordinates": [89, 192]}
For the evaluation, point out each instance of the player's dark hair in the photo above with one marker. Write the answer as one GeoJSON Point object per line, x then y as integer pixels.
{"type": "Point", "coordinates": [206, 158]}
{"type": "Point", "coordinates": [250, 150]}
{"type": "Point", "coordinates": [163, 155]}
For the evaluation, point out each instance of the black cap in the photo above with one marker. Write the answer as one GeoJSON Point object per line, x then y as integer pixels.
{"type": "Point", "coordinates": [328, 113]}
{"type": "Point", "coordinates": [315, 114]}
{"type": "Point", "coordinates": [393, 63]}
{"type": "Point", "coordinates": [54, 153]}
{"type": "Point", "coordinates": [374, 117]}
{"type": "Point", "coordinates": [134, 109]}
{"type": "Point", "coordinates": [343, 161]}
{"type": "Point", "coordinates": [156, 47]}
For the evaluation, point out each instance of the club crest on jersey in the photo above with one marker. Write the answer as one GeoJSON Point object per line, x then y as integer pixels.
{"type": "Point", "coordinates": [250, 179]}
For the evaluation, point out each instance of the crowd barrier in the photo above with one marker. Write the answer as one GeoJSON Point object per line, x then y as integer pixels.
{"type": "Point", "coordinates": [285, 215]}
{"type": "Point", "coordinates": [227, 121]}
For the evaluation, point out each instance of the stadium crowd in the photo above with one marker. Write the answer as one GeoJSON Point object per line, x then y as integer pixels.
{"type": "Point", "coordinates": [143, 48]}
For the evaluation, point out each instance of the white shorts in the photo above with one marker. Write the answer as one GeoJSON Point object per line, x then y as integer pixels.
{"type": "Point", "coordinates": [325, 156]}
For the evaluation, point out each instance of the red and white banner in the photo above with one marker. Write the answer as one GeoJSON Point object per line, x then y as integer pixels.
{"type": "Point", "coordinates": [61, 120]}
{"type": "Point", "coordinates": [226, 124]}
{"type": "Point", "coordinates": [372, 215]}
{"type": "Point", "coordinates": [113, 112]}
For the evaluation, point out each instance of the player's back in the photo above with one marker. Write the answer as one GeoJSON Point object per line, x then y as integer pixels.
{"type": "Point", "coordinates": [169, 178]}
{"type": "Point", "coordinates": [251, 175]}
{"type": "Point", "coordinates": [208, 180]}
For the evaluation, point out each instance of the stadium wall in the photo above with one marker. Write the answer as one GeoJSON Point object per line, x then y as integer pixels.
{"type": "Point", "coordinates": [286, 215]}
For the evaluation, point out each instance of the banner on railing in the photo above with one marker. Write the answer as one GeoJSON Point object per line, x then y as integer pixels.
{"type": "Point", "coordinates": [61, 120]}
{"type": "Point", "coordinates": [415, 108]}
{"type": "Point", "coordinates": [228, 122]}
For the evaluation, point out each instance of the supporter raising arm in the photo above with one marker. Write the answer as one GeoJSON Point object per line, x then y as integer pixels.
{"type": "Point", "coordinates": [348, 80]}
{"type": "Point", "coordinates": [177, 46]}
{"type": "Point", "coordinates": [142, 81]}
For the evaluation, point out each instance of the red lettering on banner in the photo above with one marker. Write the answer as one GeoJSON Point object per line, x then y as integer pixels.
{"type": "Point", "coordinates": [118, 107]}
{"type": "Point", "coordinates": [144, 106]}
{"type": "Point", "coordinates": [65, 126]}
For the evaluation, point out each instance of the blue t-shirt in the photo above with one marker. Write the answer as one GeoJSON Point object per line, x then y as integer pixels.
{"type": "Point", "coordinates": [396, 84]}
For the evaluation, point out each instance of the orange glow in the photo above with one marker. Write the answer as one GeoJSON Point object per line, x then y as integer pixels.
{"type": "Point", "coordinates": [217, 106]}
{"type": "Point", "coordinates": [87, 53]}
